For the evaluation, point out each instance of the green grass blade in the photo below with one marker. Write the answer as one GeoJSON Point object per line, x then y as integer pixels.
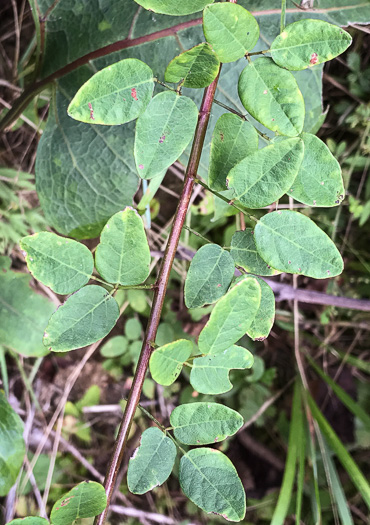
{"type": "Point", "coordinates": [4, 371]}
{"type": "Point", "coordinates": [337, 489]}
{"type": "Point", "coordinates": [354, 407]}
{"type": "Point", "coordinates": [285, 495]}
{"type": "Point", "coordinates": [314, 481]}
{"type": "Point", "coordinates": [341, 452]}
{"type": "Point", "coordinates": [301, 457]}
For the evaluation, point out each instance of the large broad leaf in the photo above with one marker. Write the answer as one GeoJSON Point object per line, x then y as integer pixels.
{"type": "Point", "coordinates": [61, 264]}
{"type": "Point", "coordinates": [210, 374]}
{"type": "Point", "coordinates": [307, 43]}
{"type": "Point", "coordinates": [70, 202]}
{"type": "Point", "coordinates": [271, 95]}
{"type": "Point", "coordinates": [123, 255]}
{"type": "Point", "coordinates": [86, 316]}
{"type": "Point", "coordinates": [230, 29]}
{"type": "Point", "coordinates": [167, 361]}
{"type": "Point", "coordinates": [195, 68]}
{"type": "Point", "coordinates": [174, 7]}
{"type": "Point", "coordinates": [110, 23]}
{"type": "Point", "coordinates": [233, 139]}
{"type": "Point", "coordinates": [265, 316]}
{"type": "Point", "coordinates": [163, 132]}
{"type": "Point", "coordinates": [204, 423]}
{"type": "Point", "coordinates": [152, 462]}
{"type": "Point", "coordinates": [210, 273]}
{"type": "Point", "coordinates": [231, 317]}
{"type": "Point", "coordinates": [12, 448]}
{"type": "Point", "coordinates": [245, 254]}
{"type": "Point", "coordinates": [23, 315]}
{"type": "Point", "coordinates": [82, 173]}
{"type": "Point", "coordinates": [85, 500]}
{"type": "Point", "coordinates": [263, 177]}
{"type": "Point", "coordinates": [292, 243]}
{"type": "Point", "coordinates": [319, 180]}
{"type": "Point", "coordinates": [210, 480]}
{"type": "Point", "coordinates": [115, 95]}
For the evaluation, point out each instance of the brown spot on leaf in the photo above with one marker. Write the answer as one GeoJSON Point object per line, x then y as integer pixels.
{"type": "Point", "coordinates": [134, 94]}
{"type": "Point", "coordinates": [162, 139]}
{"type": "Point", "coordinates": [221, 136]}
{"type": "Point", "coordinates": [91, 111]}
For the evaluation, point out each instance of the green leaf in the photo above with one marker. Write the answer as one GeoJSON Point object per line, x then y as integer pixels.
{"type": "Point", "coordinates": [115, 347]}
{"type": "Point", "coordinates": [152, 462]}
{"type": "Point", "coordinates": [12, 448]}
{"type": "Point", "coordinates": [340, 451]}
{"type": "Point", "coordinates": [209, 479]}
{"type": "Point", "coordinates": [265, 316]}
{"type": "Point", "coordinates": [204, 423]}
{"type": "Point", "coordinates": [85, 500]}
{"type": "Point", "coordinates": [233, 139]}
{"type": "Point", "coordinates": [115, 95]}
{"type": "Point", "coordinates": [86, 316]}
{"type": "Point", "coordinates": [230, 29]}
{"type": "Point", "coordinates": [231, 317]}
{"type": "Point", "coordinates": [174, 7]}
{"type": "Point", "coordinates": [263, 177]}
{"type": "Point", "coordinates": [210, 374]}
{"type": "Point", "coordinates": [29, 520]}
{"type": "Point", "coordinates": [133, 329]}
{"type": "Point", "coordinates": [319, 180]}
{"type": "Point", "coordinates": [23, 315]}
{"type": "Point", "coordinates": [162, 132]}
{"type": "Point", "coordinates": [195, 68]}
{"type": "Point", "coordinates": [245, 254]}
{"type": "Point", "coordinates": [61, 264]}
{"type": "Point", "coordinates": [83, 175]}
{"type": "Point", "coordinates": [291, 242]}
{"type": "Point", "coordinates": [271, 95]}
{"type": "Point", "coordinates": [5, 263]}
{"type": "Point", "coordinates": [123, 255]}
{"type": "Point", "coordinates": [167, 361]}
{"type": "Point", "coordinates": [308, 42]}
{"type": "Point", "coordinates": [210, 273]}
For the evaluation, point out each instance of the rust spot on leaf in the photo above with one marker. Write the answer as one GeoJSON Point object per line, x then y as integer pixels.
{"type": "Point", "coordinates": [221, 136]}
{"type": "Point", "coordinates": [91, 111]}
{"type": "Point", "coordinates": [313, 59]}
{"type": "Point", "coordinates": [141, 166]}
{"type": "Point", "coordinates": [162, 139]}
{"type": "Point", "coordinates": [134, 94]}
{"type": "Point", "coordinates": [66, 501]}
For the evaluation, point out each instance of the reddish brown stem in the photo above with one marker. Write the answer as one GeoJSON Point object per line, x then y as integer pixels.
{"type": "Point", "coordinates": [159, 295]}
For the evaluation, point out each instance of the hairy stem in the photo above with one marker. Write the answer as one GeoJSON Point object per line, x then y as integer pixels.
{"type": "Point", "coordinates": [159, 295]}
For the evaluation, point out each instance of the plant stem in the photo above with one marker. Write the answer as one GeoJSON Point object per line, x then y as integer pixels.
{"type": "Point", "coordinates": [283, 15]}
{"type": "Point", "coordinates": [159, 295]}
{"type": "Point", "coordinates": [197, 234]}
{"type": "Point", "coordinates": [244, 117]}
{"type": "Point", "coordinates": [222, 105]}
{"type": "Point", "coordinates": [225, 199]}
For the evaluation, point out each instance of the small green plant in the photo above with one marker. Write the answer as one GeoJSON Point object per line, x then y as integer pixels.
{"type": "Point", "coordinates": [255, 159]}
